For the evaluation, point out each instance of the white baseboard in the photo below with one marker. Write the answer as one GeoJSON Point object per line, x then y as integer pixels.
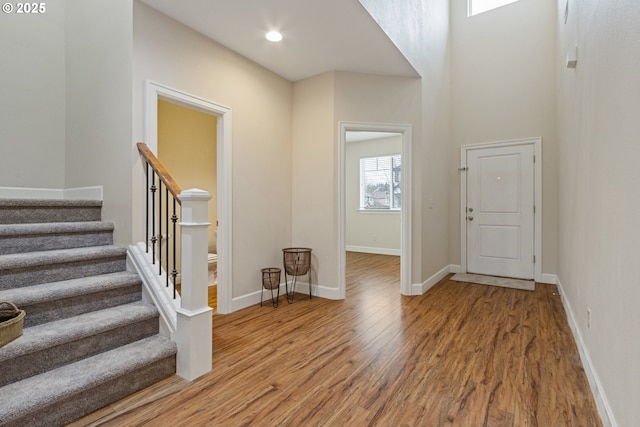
{"type": "Point", "coordinates": [253, 298]}
{"type": "Point", "coordinates": [602, 403]}
{"type": "Point", "coordinates": [550, 279]}
{"type": "Point", "coordinates": [90, 193]}
{"type": "Point", "coordinates": [372, 250]}
{"type": "Point", "coordinates": [31, 193]}
{"type": "Point", "coordinates": [455, 269]}
{"type": "Point", "coordinates": [419, 289]}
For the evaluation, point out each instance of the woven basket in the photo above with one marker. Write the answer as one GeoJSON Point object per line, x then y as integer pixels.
{"type": "Point", "coordinates": [297, 261]}
{"type": "Point", "coordinates": [11, 322]}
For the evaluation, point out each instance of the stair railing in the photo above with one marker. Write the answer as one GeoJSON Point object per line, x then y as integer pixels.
{"type": "Point", "coordinates": [153, 235]}
{"type": "Point", "coordinates": [187, 317]}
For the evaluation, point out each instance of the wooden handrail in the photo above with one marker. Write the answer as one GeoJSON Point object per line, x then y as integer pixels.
{"type": "Point", "coordinates": [160, 170]}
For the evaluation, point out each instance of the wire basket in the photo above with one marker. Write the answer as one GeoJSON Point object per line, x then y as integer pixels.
{"type": "Point", "coordinates": [271, 281]}
{"type": "Point", "coordinates": [297, 261]}
{"type": "Point", "coordinates": [270, 277]}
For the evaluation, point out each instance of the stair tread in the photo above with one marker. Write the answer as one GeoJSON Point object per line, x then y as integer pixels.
{"type": "Point", "coordinates": [38, 203]}
{"type": "Point", "coordinates": [54, 228]}
{"type": "Point", "coordinates": [58, 256]}
{"type": "Point", "coordinates": [59, 332]}
{"type": "Point", "coordinates": [67, 288]}
{"type": "Point", "coordinates": [44, 389]}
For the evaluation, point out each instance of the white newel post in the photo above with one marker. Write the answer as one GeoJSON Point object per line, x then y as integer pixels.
{"type": "Point", "coordinates": [194, 315]}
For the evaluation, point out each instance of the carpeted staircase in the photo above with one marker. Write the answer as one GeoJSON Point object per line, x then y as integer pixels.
{"type": "Point", "coordinates": [89, 339]}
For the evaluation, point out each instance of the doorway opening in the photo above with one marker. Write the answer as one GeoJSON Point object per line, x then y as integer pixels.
{"type": "Point", "coordinates": [375, 195]}
{"type": "Point", "coordinates": [158, 96]}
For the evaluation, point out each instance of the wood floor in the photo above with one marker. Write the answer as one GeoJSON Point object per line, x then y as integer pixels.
{"type": "Point", "coordinates": [460, 355]}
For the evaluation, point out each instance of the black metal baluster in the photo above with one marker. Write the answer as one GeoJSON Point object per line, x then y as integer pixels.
{"type": "Point", "coordinates": [154, 238]}
{"type": "Point", "coordinates": [146, 223]}
{"type": "Point", "coordinates": [174, 272]}
{"type": "Point", "coordinates": [160, 229]}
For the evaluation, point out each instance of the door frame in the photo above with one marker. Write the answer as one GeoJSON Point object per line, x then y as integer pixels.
{"type": "Point", "coordinates": [405, 213]}
{"type": "Point", "coordinates": [537, 183]}
{"type": "Point", "coordinates": [154, 91]}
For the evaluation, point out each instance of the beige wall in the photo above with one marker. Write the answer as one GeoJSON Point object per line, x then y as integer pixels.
{"type": "Point", "coordinates": [320, 103]}
{"type": "Point", "coordinates": [173, 55]}
{"type": "Point", "coordinates": [370, 230]}
{"type": "Point", "coordinates": [32, 99]}
{"type": "Point", "coordinates": [314, 169]}
{"type": "Point", "coordinates": [503, 74]}
{"type": "Point", "coordinates": [421, 31]}
{"type": "Point", "coordinates": [187, 148]}
{"type": "Point", "coordinates": [98, 105]}
{"type": "Point", "coordinates": [598, 134]}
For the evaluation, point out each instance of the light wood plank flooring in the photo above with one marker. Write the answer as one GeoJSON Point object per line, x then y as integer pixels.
{"type": "Point", "coordinates": [460, 355]}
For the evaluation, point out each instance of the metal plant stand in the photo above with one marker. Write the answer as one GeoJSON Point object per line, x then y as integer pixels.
{"type": "Point", "coordinates": [271, 281]}
{"type": "Point", "coordinates": [297, 262]}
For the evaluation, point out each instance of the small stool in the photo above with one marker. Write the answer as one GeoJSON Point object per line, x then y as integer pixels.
{"type": "Point", "coordinates": [271, 281]}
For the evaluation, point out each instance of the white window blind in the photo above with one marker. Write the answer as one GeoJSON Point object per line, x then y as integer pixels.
{"type": "Point", "coordinates": [380, 186]}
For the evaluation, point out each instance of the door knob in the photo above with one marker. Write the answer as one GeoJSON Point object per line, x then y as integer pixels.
{"type": "Point", "coordinates": [470, 209]}
{"type": "Point", "coordinates": [470, 218]}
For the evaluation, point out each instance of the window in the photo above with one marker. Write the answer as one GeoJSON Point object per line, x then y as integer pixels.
{"type": "Point", "coordinates": [479, 6]}
{"type": "Point", "coordinates": [380, 182]}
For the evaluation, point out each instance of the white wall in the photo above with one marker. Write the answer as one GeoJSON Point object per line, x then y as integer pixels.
{"type": "Point", "coordinates": [373, 232]}
{"type": "Point", "coordinates": [98, 105]}
{"type": "Point", "coordinates": [503, 74]}
{"type": "Point", "coordinates": [32, 99]}
{"type": "Point", "coordinates": [173, 55]}
{"type": "Point", "coordinates": [598, 134]}
{"type": "Point", "coordinates": [421, 31]}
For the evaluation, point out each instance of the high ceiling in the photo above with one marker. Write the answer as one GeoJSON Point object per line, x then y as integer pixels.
{"type": "Point", "coordinates": [319, 35]}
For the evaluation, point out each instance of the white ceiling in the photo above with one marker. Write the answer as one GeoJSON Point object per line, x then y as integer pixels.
{"type": "Point", "coordinates": [319, 35]}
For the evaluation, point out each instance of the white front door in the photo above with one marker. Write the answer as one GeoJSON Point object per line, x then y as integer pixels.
{"type": "Point", "coordinates": [500, 211]}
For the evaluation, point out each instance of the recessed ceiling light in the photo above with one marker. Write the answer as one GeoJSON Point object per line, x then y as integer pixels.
{"type": "Point", "coordinates": [274, 36]}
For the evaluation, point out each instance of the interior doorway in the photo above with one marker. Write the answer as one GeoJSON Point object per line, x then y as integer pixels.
{"type": "Point", "coordinates": [154, 95]}
{"type": "Point", "coordinates": [187, 147]}
{"type": "Point", "coordinates": [377, 218]}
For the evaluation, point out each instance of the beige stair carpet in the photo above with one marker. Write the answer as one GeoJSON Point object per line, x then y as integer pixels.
{"type": "Point", "coordinates": [505, 282]}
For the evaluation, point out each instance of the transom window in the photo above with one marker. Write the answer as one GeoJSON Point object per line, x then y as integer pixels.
{"type": "Point", "coordinates": [380, 186]}
{"type": "Point", "coordinates": [479, 6]}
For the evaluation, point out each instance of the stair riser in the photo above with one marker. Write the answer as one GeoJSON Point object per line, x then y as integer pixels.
{"type": "Point", "coordinates": [30, 214]}
{"type": "Point", "coordinates": [50, 311]}
{"type": "Point", "coordinates": [22, 244]}
{"type": "Point", "coordinates": [62, 412]}
{"type": "Point", "coordinates": [20, 277]}
{"type": "Point", "coordinates": [36, 363]}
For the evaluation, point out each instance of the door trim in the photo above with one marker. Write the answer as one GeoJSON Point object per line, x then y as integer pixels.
{"type": "Point", "coordinates": [537, 183]}
{"type": "Point", "coordinates": [154, 91]}
{"type": "Point", "coordinates": [405, 214]}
